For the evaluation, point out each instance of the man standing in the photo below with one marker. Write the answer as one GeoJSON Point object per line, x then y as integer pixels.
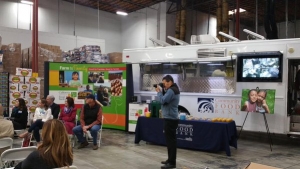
{"type": "Point", "coordinates": [55, 109]}
{"type": "Point", "coordinates": [90, 119]}
{"type": "Point", "coordinates": [169, 101]}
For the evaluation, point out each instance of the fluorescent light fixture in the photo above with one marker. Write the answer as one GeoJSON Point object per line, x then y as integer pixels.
{"type": "Point", "coordinates": [153, 63]}
{"type": "Point", "coordinates": [170, 64]}
{"type": "Point", "coordinates": [215, 64]}
{"type": "Point", "coordinates": [203, 62]}
{"type": "Point", "coordinates": [27, 2]}
{"type": "Point", "coordinates": [189, 60]}
{"type": "Point", "coordinates": [122, 13]}
{"type": "Point", "coordinates": [234, 11]}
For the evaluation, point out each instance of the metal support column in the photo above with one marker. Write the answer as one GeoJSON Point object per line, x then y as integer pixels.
{"type": "Point", "coordinates": [35, 37]}
{"type": "Point", "coordinates": [256, 16]}
{"type": "Point", "coordinates": [237, 22]}
{"type": "Point", "coordinates": [286, 18]}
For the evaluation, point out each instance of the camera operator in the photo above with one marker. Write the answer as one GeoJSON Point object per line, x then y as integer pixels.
{"type": "Point", "coordinates": [169, 100]}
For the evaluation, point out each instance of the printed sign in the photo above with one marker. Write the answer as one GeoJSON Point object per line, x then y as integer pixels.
{"type": "Point", "coordinates": [185, 132]}
{"type": "Point", "coordinates": [258, 100]}
{"type": "Point", "coordinates": [219, 106]}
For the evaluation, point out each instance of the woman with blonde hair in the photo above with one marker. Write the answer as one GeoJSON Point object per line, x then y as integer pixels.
{"type": "Point", "coordinates": [55, 150]}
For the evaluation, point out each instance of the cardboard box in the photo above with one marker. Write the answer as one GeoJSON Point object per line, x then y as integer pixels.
{"type": "Point", "coordinates": [259, 166]}
{"type": "Point", "coordinates": [12, 58]}
{"type": "Point", "coordinates": [115, 57]}
{"type": "Point", "coordinates": [25, 58]}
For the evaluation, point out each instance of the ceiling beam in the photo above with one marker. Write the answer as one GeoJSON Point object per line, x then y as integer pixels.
{"type": "Point", "coordinates": [138, 4]}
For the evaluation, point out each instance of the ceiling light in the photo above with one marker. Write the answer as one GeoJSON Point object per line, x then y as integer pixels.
{"type": "Point", "coordinates": [203, 62]}
{"type": "Point", "coordinates": [234, 11]}
{"type": "Point", "coordinates": [122, 13]}
{"type": "Point", "coordinates": [27, 2]}
{"type": "Point", "coordinates": [153, 63]}
{"type": "Point", "coordinates": [189, 60]}
{"type": "Point", "coordinates": [215, 64]}
{"type": "Point", "coordinates": [170, 64]}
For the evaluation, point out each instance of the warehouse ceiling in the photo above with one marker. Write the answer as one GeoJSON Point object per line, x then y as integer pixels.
{"type": "Point", "coordinates": [248, 17]}
{"type": "Point", "coordinates": [117, 5]}
{"type": "Point", "coordinates": [207, 6]}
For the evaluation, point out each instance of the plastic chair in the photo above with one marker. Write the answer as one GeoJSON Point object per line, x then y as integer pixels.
{"type": "Point", "coordinates": [15, 154]}
{"type": "Point", "coordinates": [6, 142]}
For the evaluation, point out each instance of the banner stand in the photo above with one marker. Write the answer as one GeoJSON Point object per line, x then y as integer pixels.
{"type": "Point", "coordinates": [267, 128]}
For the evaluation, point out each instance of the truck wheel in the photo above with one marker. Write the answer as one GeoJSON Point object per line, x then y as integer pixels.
{"type": "Point", "coordinates": [181, 109]}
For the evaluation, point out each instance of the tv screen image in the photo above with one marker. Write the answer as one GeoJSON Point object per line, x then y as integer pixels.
{"type": "Point", "coordinates": [261, 67]}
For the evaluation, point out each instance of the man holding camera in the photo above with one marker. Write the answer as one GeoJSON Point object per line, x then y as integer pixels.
{"type": "Point", "coordinates": [168, 94]}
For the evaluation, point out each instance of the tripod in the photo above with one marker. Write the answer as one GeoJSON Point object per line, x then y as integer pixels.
{"type": "Point", "coordinates": [267, 128]}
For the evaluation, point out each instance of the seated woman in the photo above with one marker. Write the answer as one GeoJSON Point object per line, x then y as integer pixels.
{"type": "Point", "coordinates": [68, 115]}
{"type": "Point", "coordinates": [19, 114]}
{"type": "Point", "coordinates": [54, 152]}
{"type": "Point", "coordinates": [42, 114]}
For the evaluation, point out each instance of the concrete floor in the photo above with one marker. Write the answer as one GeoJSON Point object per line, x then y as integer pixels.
{"type": "Point", "coordinates": [119, 151]}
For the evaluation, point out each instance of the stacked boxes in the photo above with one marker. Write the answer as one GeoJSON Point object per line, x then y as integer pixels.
{"type": "Point", "coordinates": [115, 57]}
{"type": "Point", "coordinates": [46, 53]}
{"type": "Point", "coordinates": [25, 58]}
{"type": "Point", "coordinates": [93, 54]}
{"type": "Point", "coordinates": [12, 57]}
{"type": "Point", "coordinates": [85, 54]}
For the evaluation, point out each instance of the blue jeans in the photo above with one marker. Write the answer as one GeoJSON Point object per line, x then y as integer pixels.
{"type": "Point", "coordinates": [35, 127]}
{"type": "Point", "coordinates": [94, 132]}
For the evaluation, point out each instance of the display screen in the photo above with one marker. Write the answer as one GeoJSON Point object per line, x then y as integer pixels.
{"type": "Point", "coordinates": [259, 67]}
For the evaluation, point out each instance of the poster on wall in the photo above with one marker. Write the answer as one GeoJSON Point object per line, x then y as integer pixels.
{"type": "Point", "coordinates": [106, 81]}
{"type": "Point", "coordinates": [258, 100]}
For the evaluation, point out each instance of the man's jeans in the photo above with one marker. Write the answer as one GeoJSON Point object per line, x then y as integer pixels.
{"type": "Point", "coordinates": [94, 132]}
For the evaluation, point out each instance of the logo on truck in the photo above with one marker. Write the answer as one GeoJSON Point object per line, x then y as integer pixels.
{"type": "Point", "coordinates": [206, 105]}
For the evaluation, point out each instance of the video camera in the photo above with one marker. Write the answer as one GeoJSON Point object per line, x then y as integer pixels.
{"type": "Point", "coordinates": [160, 84]}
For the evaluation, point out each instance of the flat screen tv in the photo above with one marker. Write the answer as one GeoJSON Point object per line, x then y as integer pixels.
{"type": "Point", "coordinates": [259, 66]}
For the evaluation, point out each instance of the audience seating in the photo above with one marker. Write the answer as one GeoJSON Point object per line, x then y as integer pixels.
{"type": "Point", "coordinates": [16, 155]}
{"type": "Point", "coordinates": [6, 142]}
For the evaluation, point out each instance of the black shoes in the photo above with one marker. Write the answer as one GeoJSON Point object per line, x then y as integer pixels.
{"type": "Point", "coordinates": [168, 165]}
{"type": "Point", "coordinates": [165, 162]}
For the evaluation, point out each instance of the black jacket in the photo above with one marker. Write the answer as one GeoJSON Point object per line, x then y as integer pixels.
{"type": "Point", "coordinates": [55, 109]}
{"type": "Point", "coordinates": [20, 116]}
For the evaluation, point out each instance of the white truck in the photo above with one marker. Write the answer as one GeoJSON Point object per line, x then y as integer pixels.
{"type": "Point", "coordinates": [211, 79]}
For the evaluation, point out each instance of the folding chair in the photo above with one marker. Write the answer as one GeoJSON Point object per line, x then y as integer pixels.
{"type": "Point", "coordinates": [15, 154]}
{"type": "Point", "coordinates": [16, 135]}
{"type": "Point", "coordinates": [72, 137]}
{"type": "Point", "coordinates": [6, 142]}
{"type": "Point", "coordinates": [99, 134]}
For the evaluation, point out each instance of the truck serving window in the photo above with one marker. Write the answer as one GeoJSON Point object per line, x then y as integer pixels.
{"type": "Point", "coordinates": [217, 69]}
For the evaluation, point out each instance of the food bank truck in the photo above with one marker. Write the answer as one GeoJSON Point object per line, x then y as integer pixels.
{"type": "Point", "coordinates": [214, 77]}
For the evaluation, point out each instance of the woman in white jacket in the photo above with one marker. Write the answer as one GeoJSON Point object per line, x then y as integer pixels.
{"type": "Point", "coordinates": [42, 114]}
